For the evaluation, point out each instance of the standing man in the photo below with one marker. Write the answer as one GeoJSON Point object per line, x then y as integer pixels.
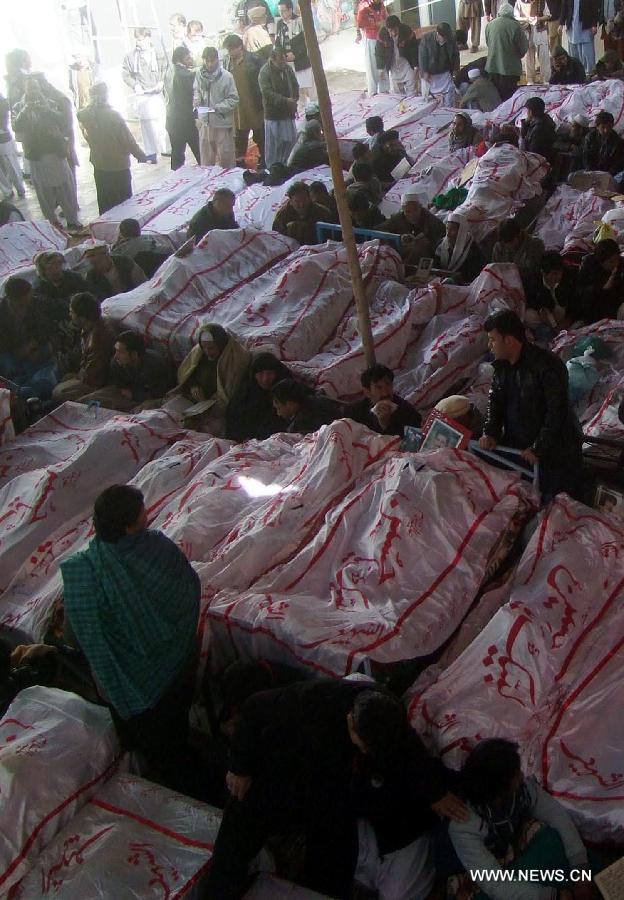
{"type": "Point", "coordinates": [529, 408]}
{"type": "Point", "coordinates": [280, 96]}
{"type": "Point", "coordinates": [290, 37]}
{"type": "Point", "coordinates": [248, 115]}
{"type": "Point", "coordinates": [111, 144]}
{"type": "Point", "coordinates": [180, 120]}
{"type": "Point", "coordinates": [397, 53]}
{"type": "Point", "coordinates": [177, 24]}
{"type": "Point", "coordinates": [580, 18]}
{"type": "Point", "coordinates": [143, 71]}
{"type": "Point", "coordinates": [216, 92]}
{"type": "Point", "coordinates": [469, 14]}
{"type": "Point", "coordinates": [439, 63]}
{"type": "Point", "coordinates": [371, 15]}
{"type": "Point", "coordinates": [534, 16]}
{"type": "Point", "coordinates": [507, 44]}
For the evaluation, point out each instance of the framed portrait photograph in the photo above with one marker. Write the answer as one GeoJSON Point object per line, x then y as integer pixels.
{"type": "Point", "coordinates": [442, 433]}
{"type": "Point", "coordinates": [608, 499]}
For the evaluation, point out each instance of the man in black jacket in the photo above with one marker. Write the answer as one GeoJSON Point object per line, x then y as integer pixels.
{"type": "Point", "coordinates": [396, 52]}
{"type": "Point", "coordinates": [538, 129]}
{"type": "Point", "coordinates": [330, 759]}
{"type": "Point", "coordinates": [249, 114]}
{"type": "Point", "coordinates": [303, 410]}
{"type": "Point", "coordinates": [218, 213]}
{"type": "Point", "coordinates": [110, 274]}
{"type": "Point", "coordinates": [580, 18]}
{"type": "Point", "coordinates": [552, 294]}
{"type": "Point", "coordinates": [604, 148]}
{"type": "Point", "coordinates": [529, 407]}
{"type": "Point", "coordinates": [382, 410]}
{"type": "Point", "coordinates": [566, 69]}
{"type": "Point", "coordinates": [180, 122]}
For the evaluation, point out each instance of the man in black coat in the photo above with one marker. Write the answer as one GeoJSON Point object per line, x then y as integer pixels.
{"type": "Point", "coordinates": [314, 758]}
{"type": "Point", "coordinates": [604, 148]}
{"type": "Point", "coordinates": [249, 114]}
{"type": "Point", "coordinates": [529, 407]}
{"type": "Point", "coordinates": [396, 52]}
{"type": "Point", "coordinates": [538, 129]}
{"type": "Point", "coordinates": [180, 122]}
{"type": "Point", "coordinates": [218, 213]}
{"type": "Point", "coordinates": [582, 23]}
{"type": "Point", "coordinates": [382, 410]}
{"type": "Point", "coordinates": [566, 69]}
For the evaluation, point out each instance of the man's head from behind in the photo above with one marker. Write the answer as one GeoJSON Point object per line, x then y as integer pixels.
{"type": "Point", "coordinates": [378, 727]}
{"type": "Point", "coordinates": [299, 196]}
{"type": "Point", "coordinates": [233, 44]}
{"type": "Point", "coordinates": [223, 201]}
{"type": "Point", "coordinates": [129, 350]}
{"type": "Point", "coordinates": [390, 142]}
{"type": "Point", "coordinates": [510, 234]}
{"type": "Point", "coordinates": [374, 125]}
{"type": "Point", "coordinates": [607, 253]}
{"type": "Point", "coordinates": [85, 310]}
{"type": "Point", "coordinates": [362, 153]}
{"type": "Point", "coordinates": [491, 773]}
{"type": "Point", "coordinates": [117, 512]}
{"type": "Point", "coordinates": [288, 397]}
{"type": "Point", "coordinates": [362, 172]}
{"type": "Point", "coordinates": [535, 108]}
{"type": "Point", "coordinates": [552, 268]}
{"type": "Point", "coordinates": [506, 335]}
{"type": "Point", "coordinates": [604, 123]}
{"type": "Point", "coordinates": [377, 382]}
{"type": "Point", "coordinates": [129, 228]}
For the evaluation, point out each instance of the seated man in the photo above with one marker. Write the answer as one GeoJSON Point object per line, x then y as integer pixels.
{"type": "Point", "coordinates": [529, 408]}
{"type": "Point", "coordinates": [514, 245]}
{"type": "Point", "coordinates": [301, 408]}
{"type": "Point", "coordinates": [298, 216]}
{"type": "Point", "coordinates": [250, 412]}
{"type": "Point", "coordinates": [608, 66]}
{"type": "Point", "coordinates": [365, 180]}
{"type": "Point", "coordinates": [374, 129]}
{"type": "Point", "coordinates": [310, 150]}
{"type": "Point", "coordinates": [217, 214]}
{"type": "Point", "coordinates": [552, 297]}
{"type": "Point", "coordinates": [364, 214]}
{"type": "Point", "coordinates": [601, 283]}
{"type": "Point", "coordinates": [566, 69]}
{"type": "Point", "coordinates": [463, 134]}
{"type": "Point", "coordinates": [481, 94]}
{"type": "Point", "coordinates": [361, 153]}
{"type": "Point", "coordinates": [458, 253]}
{"type": "Point", "coordinates": [604, 148]}
{"type": "Point", "coordinates": [420, 229]}
{"type": "Point", "coordinates": [9, 213]}
{"type": "Point", "coordinates": [537, 129]}
{"type": "Point", "coordinates": [569, 145]}
{"type": "Point", "coordinates": [338, 762]}
{"type": "Point", "coordinates": [382, 410]}
{"type": "Point", "coordinates": [110, 275]}
{"type": "Point", "coordinates": [130, 242]}
{"type": "Point", "coordinates": [97, 350]}
{"type": "Point", "coordinates": [25, 346]}
{"type": "Point", "coordinates": [320, 195]}
{"type": "Point", "coordinates": [137, 375]}
{"type": "Point", "coordinates": [389, 153]}
{"type": "Point", "coordinates": [53, 288]}
{"type": "Point", "coordinates": [515, 824]}
{"type": "Point", "coordinates": [132, 607]}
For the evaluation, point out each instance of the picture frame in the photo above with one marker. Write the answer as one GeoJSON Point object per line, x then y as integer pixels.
{"type": "Point", "coordinates": [608, 499]}
{"type": "Point", "coordinates": [441, 433]}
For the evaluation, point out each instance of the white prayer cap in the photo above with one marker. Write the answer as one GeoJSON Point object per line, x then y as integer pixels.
{"type": "Point", "coordinates": [454, 406]}
{"type": "Point", "coordinates": [474, 73]}
{"type": "Point", "coordinates": [580, 119]}
{"type": "Point", "coordinates": [411, 195]}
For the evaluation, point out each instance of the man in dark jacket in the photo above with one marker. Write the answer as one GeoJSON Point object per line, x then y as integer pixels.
{"type": "Point", "coordinates": [396, 52]}
{"type": "Point", "coordinates": [180, 121]}
{"type": "Point", "coordinates": [421, 231]}
{"type": "Point", "coordinates": [280, 96]}
{"type": "Point", "coordinates": [298, 216]}
{"type": "Point", "coordinates": [301, 408]}
{"type": "Point", "coordinates": [382, 410]}
{"type": "Point", "coordinates": [250, 412]}
{"type": "Point", "coordinates": [566, 69]}
{"type": "Point", "coordinates": [248, 115]}
{"type": "Point", "coordinates": [439, 63]}
{"type": "Point", "coordinates": [538, 129]}
{"type": "Point", "coordinates": [316, 757]}
{"type": "Point", "coordinates": [310, 150]}
{"type": "Point", "coordinates": [388, 155]}
{"type": "Point", "coordinates": [604, 148]}
{"type": "Point", "coordinates": [580, 18]}
{"type": "Point", "coordinates": [552, 295]}
{"type": "Point", "coordinates": [110, 274]}
{"type": "Point", "coordinates": [529, 407]}
{"type": "Point", "coordinates": [217, 214]}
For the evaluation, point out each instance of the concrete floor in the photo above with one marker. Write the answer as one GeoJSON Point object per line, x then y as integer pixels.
{"type": "Point", "coordinates": [344, 65]}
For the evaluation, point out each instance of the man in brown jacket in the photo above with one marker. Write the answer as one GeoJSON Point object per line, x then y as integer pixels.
{"type": "Point", "coordinates": [98, 347]}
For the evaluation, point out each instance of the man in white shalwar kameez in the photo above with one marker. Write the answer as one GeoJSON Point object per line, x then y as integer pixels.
{"type": "Point", "coordinates": [144, 71]}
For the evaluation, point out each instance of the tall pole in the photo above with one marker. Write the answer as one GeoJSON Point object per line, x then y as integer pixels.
{"type": "Point", "coordinates": [333, 150]}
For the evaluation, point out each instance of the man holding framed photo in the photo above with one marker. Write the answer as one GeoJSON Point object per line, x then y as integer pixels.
{"type": "Point", "coordinates": [529, 407]}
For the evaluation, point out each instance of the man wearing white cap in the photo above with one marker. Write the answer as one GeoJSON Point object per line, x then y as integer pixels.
{"type": "Point", "coordinates": [482, 94]}
{"type": "Point", "coordinates": [421, 231]}
{"type": "Point", "coordinates": [462, 411]}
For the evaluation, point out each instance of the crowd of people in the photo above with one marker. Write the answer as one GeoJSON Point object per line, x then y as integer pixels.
{"type": "Point", "coordinates": [333, 760]}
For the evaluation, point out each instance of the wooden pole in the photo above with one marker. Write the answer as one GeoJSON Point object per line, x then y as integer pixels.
{"type": "Point", "coordinates": [333, 150]}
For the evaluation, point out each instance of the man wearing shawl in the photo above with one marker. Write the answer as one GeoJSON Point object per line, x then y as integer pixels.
{"type": "Point", "coordinates": [132, 607]}
{"type": "Point", "coordinates": [458, 253]}
{"type": "Point", "coordinates": [507, 44]}
{"type": "Point", "coordinates": [439, 63]}
{"type": "Point", "coordinates": [209, 376]}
